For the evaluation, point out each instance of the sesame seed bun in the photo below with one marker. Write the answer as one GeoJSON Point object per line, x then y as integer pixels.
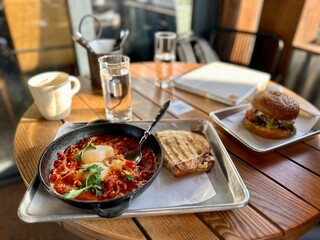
{"type": "Point", "coordinates": [276, 105]}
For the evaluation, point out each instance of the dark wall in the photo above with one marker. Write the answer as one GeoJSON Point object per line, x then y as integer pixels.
{"type": "Point", "coordinates": [143, 22]}
{"type": "Point", "coordinates": [205, 17]}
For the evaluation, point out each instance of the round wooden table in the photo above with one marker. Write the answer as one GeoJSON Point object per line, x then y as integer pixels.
{"type": "Point", "coordinates": [284, 184]}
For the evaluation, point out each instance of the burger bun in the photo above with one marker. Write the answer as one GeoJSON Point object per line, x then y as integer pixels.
{"type": "Point", "coordinates": [276, 105]}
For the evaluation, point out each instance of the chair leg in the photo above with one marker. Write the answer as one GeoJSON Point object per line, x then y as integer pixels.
{"type": "Point", "coordinates": [6, 99]}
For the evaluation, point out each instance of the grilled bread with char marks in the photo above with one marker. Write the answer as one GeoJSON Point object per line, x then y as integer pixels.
{"type": "Point", "coordinates": [185, 152]}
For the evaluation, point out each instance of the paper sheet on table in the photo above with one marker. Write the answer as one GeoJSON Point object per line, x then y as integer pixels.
{"type": "Point", "coordinates": [166, 190]}
{"type": "Point", "coordinates": [303, 125]}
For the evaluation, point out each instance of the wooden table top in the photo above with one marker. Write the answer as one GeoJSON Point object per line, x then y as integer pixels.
{"type": "Point", "coordinates": [284, 184]}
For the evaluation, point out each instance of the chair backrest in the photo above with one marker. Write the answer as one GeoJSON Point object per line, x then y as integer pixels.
{"type": "Point", "coordinates": [40, 34]}
{"type": "Point", "coordinates": [260, 51]}
{"type": "Point", "coordinates": [195, 50]}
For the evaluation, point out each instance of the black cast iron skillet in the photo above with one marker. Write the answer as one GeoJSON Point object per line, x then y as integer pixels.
{"type": "Point", "coordinates": [106, 208]}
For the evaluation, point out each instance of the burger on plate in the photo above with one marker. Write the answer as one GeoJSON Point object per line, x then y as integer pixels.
{"type": "Point", "coordinates": [272, 115]}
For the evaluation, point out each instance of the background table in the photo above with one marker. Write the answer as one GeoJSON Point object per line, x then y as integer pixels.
{"type": "Point", "coordinates": [284, 184]}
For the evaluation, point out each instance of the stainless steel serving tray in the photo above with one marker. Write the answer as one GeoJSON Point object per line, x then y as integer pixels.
{"type": "Point", "coordinates": [39, 206]}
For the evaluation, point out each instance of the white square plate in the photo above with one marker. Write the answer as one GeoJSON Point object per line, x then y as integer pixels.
{"type": "Point", "coordinates": [230, 119]}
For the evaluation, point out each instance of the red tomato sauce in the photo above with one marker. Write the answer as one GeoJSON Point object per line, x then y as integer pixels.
{"type": "Point", "coordinates": [118, 182]}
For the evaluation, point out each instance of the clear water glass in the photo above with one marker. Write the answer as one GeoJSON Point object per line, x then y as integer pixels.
{"type": "Point", "coordinates": [164, 57]}
{"type": "Point", "coordinates": [116, 87]}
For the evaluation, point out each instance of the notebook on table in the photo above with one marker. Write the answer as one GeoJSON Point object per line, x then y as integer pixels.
{"type": "Point", "coordinates": [224, 82]}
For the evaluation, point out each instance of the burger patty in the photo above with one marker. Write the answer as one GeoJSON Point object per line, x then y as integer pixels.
{"type": "Point", "coordinates": [258, 118]}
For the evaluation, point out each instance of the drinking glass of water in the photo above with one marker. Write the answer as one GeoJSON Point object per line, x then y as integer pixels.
{"type": "Point", "coordinates": [116, 87]}
{"type": "Point", "coordinates": [164, 57]}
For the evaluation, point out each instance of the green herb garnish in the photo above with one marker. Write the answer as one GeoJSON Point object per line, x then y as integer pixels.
{"type": "Point", "coordinates": [129, 177]}
{"type": "Point", "coordinates": [81, 152]}
{"type": "Point", "coordinates": [93, 182]}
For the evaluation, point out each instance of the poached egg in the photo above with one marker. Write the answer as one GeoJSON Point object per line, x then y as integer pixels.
{"type": "Point", "coordinates": [98, 154]}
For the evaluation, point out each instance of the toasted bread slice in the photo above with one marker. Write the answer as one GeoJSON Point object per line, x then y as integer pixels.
{"type": "Point", "coordinates": [185, 152]}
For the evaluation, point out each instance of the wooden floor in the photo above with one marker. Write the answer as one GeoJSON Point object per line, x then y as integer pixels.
{"type": "Point", "coordinates": [11, 227]}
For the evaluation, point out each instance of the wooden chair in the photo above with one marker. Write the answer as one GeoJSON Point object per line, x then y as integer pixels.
{"type": "Point", "coordinates": [40, 34]}
{"type": "Point", "coordinates": [195, 50]}
{"type": "Point", "coordinates": [260, 51]}
{"type": "Point", "coordinates": [6, 97]}
{"type": "Point", "coordinates": [3, 85]}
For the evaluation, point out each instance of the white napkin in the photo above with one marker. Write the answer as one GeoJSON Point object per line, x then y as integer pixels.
{"type": "Point", "coordinates": [168, 191]}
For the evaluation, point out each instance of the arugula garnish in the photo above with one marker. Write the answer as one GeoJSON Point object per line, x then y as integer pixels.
{"type": "Point", "coordinates": [93, 182]}
{"type": "Point", "coordinates": [129, 177]}
{"type": "Point", "coordinates": [81, 152]}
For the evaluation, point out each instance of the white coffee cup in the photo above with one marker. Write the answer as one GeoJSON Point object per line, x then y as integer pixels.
{"type": "Point", "coordinates": [53, 92]}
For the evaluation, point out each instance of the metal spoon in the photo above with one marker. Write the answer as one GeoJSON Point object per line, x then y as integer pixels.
{"type": "Point", "coordinates": [135, 154]}
{"type": "Point", "coordinates": [120, 40]}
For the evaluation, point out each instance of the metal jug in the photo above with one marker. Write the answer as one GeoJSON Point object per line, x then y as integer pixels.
{"type": "Point", "coordinates": [99, 47]}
